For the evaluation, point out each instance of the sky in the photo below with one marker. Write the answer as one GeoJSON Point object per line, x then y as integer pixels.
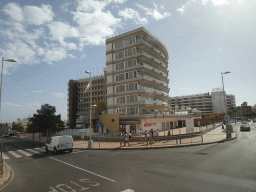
{"type": "Point", "coordinates": [55, 41]}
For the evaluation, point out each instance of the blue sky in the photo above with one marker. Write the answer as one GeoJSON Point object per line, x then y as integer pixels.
{"type": "Point", "coordinates": [55, 41]}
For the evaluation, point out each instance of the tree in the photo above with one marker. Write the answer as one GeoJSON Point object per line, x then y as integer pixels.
{"type": "Point", "coordinates": [244, 104]}
{"type": "Point", "coordinates": [17, 126]}
{"type": "Point", "coordinates": [46, 121]}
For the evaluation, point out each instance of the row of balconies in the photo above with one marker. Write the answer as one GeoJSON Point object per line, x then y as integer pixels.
{"type": "Point", "coordinates": [138, 43]}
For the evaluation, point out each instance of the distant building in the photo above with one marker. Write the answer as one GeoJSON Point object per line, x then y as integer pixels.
{"type": "Point", "coordinates": [23, 122]}
{"type": "Point", "coordinates": [79, 101]}
{"type": "Point", "coordinates": [242, 110]}
{"type": "Point", "coordinates": [206, 102]}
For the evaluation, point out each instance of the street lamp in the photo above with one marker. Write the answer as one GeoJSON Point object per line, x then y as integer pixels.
{"type": "Point", "coordinates": [224, 91]}
{"type": "Point", "coordinates": [90, 143]}
{"type": "Point", "coordinates": [1, 161]}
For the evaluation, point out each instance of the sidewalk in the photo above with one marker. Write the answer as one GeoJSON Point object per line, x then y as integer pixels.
{"type": "Point", "coordinates": [213, 136]}
{"type": "Point", "coordinates": [6, 175]}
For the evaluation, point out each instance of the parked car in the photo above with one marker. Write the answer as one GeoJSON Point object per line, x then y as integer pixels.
{"type": "Point", "coordinates": [254, 120]}
{"type": "Point", "coordinates": [245, 127]}
{"type": "Point", "coordinates": [6, 135]}
{"type": "Point", "coordinates": [59, 143]}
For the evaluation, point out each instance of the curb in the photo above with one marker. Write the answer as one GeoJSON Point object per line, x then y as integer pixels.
{"type": "Point", "coordinates": [118, 148]}
{"type": "Point", "coordinates": [8, 176]}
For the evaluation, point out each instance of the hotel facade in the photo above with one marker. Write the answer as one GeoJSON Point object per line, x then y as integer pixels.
{"type": "Point", "coordinates": [137, 81]}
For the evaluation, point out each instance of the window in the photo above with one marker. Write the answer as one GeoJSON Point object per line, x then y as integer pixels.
{"type": "Point", "coordinates": [132, 110]}
{"type": "Point", "coordinates": [132, 86]}
{"type": "Point", "coordinates": [120, 88]}
{"type": "Point", "coordinates": [119, 66]}
{"type": "Point", "coordinates": [119, 55]}
{"type": "Point", "coordinates": [130, 63]}
{"type": "Point", "coordinates": [121, 111]}
{"type": "Point", "coordinates": [120, 77]}
{"type": "Point", "coordinates": [132, 98]}
{"type": "Point", "coordinates": [120, 99]}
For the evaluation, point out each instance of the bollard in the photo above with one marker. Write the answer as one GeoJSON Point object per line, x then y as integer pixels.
{"type": "Point", "coordinates": [202, 138]}
{"type": "Point", "coordinates": [99, 142]}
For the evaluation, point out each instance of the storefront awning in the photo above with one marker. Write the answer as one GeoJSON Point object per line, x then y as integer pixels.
{"type": "Point", "coordinates": [128, 122]}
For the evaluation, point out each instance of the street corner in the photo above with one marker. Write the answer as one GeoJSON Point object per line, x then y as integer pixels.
{"type": "Point", "coordinates": [7, 176]}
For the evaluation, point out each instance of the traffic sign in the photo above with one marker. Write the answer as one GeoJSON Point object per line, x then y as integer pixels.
{"type": "Point", "coordinates": [99, 124]}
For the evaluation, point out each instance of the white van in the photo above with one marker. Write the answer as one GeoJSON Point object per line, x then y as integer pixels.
{"type": "Point", "coordinates": [59, 143]}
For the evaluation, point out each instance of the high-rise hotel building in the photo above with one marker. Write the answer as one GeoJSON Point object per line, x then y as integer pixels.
{"type": "Point", "coordinates": [137, 74]}
{"type": "Point", "coordinates": [136, 82]}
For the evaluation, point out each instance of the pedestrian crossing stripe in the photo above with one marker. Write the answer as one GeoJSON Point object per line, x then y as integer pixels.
{"type": "Point", "coordinates": [33, 151]}
{"type": "Point", "coordinates": [25, 153]}
{"type": "Point", "coordinates": [5, 157]}
{"type": "Point", "coordinates": [14, 154]}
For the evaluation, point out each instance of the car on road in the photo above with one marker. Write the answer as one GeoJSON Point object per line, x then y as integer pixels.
{"type": "Point", "coordinates": [59, 143]}
{"type": "Point", "coordinates": [245, 127]}
{"type": "Point", "coordinates": [254, 120]}
{"type": "Point", "coordinates": [6, 135]}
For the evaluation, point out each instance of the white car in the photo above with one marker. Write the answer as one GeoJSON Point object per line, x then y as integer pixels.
{"type": "Point", "coordinates": [59, 143]}
{"type": "Point", "coordinates": [6, 135]}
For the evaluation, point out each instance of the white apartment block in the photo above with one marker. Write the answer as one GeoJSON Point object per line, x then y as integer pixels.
{"type": "Point", "coordinates": [137, 81]}
{"type": "Point", "coordinates": [206, 102]}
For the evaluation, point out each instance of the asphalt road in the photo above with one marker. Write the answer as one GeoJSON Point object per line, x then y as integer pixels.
{"type": "Point", "coordinates": [228, 166]}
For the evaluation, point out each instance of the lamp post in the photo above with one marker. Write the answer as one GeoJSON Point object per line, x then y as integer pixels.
{"type": "Point", "coordinates": [224, 91]}
{"type": "Point", "coordinates": [90, 143]}
{"type": "Point", "coordinates": [1, 161]}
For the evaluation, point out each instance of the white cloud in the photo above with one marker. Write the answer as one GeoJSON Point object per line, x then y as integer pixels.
{"type": "Point", "coordinates": [218, 3]}
{"type": "Point", "coordinates": [13, 104]}
{"type": "Point", "coordinates": [182, 9]}
{"type": "Point", "coordinates": [154, 12]}
{"type": "Point", "coordinates": [58, 94]}
{"type": "Point", "coordinates": [129, 13]}
{"type": "Point", "coordinates": [28, 39]}
{"type": "Point", "coordinates": [55, 54]}
{"type": "Point", "coordinates": [37, 91]}
{"type": "Point", "coordinates": [60, 31]}
{"type": "Point", "coordinates": [29, 14]}
{"type": "Point", "coordinates": [83, 56]}
{"type": "Point", "coordinates": [94, 25]}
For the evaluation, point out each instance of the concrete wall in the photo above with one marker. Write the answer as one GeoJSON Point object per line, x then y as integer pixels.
{"type": "Point", "coordinates": [190, 125]}
{"type": "Point", "coordinates": [109, 46]}
{"type": "Point", "coordinates": [109, 57]}
{"type": "Point", "coordinates": [110, 79]}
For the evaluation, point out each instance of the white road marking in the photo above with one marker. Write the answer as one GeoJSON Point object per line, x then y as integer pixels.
{"type": "Point", "coordinates": [14, 154]}
{"type": "Point", "coordinates": [33, 151]}
{"type": "Point", "coordinates": [25, 153]}
{"type": "Point", "coordinates": [83, 169]}
{"type": "Point", "coordinates": [39, 149]}
{"type": "Point", "coordinates": [5, 157]}
{"type": "Point", "coordinates": [128, 190]}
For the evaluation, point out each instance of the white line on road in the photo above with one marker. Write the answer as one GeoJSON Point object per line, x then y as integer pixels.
{"type": "Point", "coordinates": [39, 149]}
{"type": "Point", "coordinates": [83, 169]}
{"type": "Point", "coordinates": [5, 157]}
{"type": "Point", "coordinates": [33, 151]}
{"type": "Point", "coordinates": [128, 190]}
{"type": "Point", "coordinates": [25, 153]}
{"type": "Point", "coordinates": [14, 154]}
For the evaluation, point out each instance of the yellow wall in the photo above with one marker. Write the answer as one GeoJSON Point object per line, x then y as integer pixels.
{"type": "Point", "coordinates": [110, 121]}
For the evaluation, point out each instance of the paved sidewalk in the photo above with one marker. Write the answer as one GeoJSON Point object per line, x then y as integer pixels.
{"type": "Point", "coordinates": [213, 136]}
{"type": "Point", "coordinates": [6, 175]}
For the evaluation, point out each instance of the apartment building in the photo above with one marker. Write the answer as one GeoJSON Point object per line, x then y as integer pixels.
{"type": "Point", "coordinates": [206, 102]}
{"type": "Point", "coordinates": [79, 100]}
{"type": "Point", "coordinates": [134, 88]}
{"type": "Point", "coordinates": [137, 80]}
